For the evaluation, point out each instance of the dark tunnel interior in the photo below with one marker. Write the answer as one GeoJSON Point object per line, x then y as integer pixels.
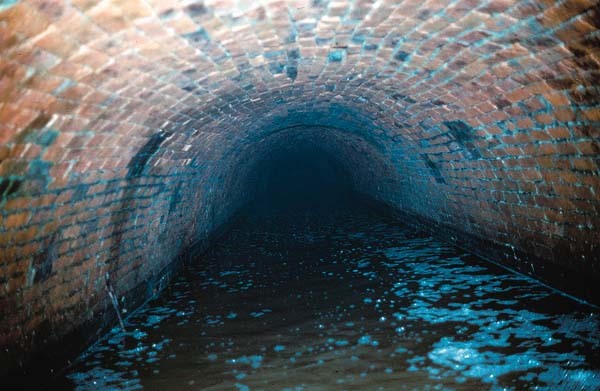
{"type": "Point", "coordinates": [302, 180]}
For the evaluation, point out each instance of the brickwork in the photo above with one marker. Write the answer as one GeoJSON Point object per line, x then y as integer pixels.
{"type": "Point", "coordinates": [126, 127]}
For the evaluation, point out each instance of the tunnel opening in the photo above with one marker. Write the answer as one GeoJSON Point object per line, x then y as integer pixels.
{"type": "Point", "coordinates": [301, 180]}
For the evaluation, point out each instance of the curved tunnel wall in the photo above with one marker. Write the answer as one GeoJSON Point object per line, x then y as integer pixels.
{"type": "Point", "coordinates": [123, 125]}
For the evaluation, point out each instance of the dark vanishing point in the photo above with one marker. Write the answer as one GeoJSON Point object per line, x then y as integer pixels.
{"type": "Point", "coordinates": [299, 195]}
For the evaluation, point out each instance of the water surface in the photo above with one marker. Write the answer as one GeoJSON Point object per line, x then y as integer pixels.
{"type": "Point", "coordinates": [346, 302]}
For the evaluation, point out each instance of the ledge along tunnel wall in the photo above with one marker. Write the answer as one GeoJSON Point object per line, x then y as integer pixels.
{"type": "Point", "coordinates": [129, 131]}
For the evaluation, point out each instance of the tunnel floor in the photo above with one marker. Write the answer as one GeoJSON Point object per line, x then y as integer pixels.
{"type": "Point", "coordinates": [345, 301]}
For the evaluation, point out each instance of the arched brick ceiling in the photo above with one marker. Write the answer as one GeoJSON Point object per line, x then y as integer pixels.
{"type": "Point", "coordinates": [125, 125]}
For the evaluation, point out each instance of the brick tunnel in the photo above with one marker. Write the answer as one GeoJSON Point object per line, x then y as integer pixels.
{"type": "Point", "coordinates": [132, 133]}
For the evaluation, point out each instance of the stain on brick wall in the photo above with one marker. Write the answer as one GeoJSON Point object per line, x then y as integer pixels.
{"type": "Point", "coordinates": [479, 117]}
{"type": "Point", "coordinates": [138, 162]}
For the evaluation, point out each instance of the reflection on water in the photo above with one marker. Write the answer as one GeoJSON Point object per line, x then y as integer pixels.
{"type": "Point", "coordinates": [346, 302]}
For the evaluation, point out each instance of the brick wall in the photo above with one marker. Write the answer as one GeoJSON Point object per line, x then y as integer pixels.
{"type": "Point", "coordinates": [126, 127]}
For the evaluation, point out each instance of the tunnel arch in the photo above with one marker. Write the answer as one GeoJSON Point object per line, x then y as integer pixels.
{"type": "Point", "coordinates": [352, 152]}
{"type": "Point", "coordinates": [120, 124]}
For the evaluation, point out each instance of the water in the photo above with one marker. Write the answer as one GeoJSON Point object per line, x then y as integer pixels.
{"type": "Point", "coordinates": [346, 302]}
